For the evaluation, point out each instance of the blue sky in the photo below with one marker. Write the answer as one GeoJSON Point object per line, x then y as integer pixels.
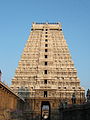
{"type": "Point", "coordinates": [16, 17]}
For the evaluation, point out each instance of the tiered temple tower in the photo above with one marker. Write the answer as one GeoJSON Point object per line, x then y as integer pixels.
{"type": "Point", "coordinates": [46, 71]}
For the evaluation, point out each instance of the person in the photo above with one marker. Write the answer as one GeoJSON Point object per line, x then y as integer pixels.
{"type": "Point", "coordinates": [73, 98]}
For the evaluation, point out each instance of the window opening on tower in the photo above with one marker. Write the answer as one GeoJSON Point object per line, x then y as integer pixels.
{"type": "Point", "coordinates": [45, 93]}
{"type": "Point", "coordinates": [45, 71]}
{"type": "Point", "coordinates": [46, 50]}
{"type": "Point", "coordinates": [45, 81]}
{"type": "Point", "coordinates": [46, 56]}
{"type": "Point", "coordinates": [46, 40]}
{"type": "Point", "coordinates": [46, 45]}
{"type": "Point", "coordinates": [45, 63]}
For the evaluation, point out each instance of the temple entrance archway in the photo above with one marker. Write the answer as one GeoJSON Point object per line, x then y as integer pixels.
{"type": "Point", "coordinates": [45, 110]}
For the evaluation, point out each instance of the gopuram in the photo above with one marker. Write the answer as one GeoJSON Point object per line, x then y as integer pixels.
{"type": "Point", "coordinates": [46, 75]}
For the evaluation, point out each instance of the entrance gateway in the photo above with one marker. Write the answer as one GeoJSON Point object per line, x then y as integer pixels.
{"type": "Point", "coordinates": [45, 110]}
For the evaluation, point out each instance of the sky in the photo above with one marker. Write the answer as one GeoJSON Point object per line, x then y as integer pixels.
{"type": "Point", "coordinates": [16, 17]}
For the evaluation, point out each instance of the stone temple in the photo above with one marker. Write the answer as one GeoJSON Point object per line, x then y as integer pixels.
{"type": "Point", "coordinates": [46, 74]}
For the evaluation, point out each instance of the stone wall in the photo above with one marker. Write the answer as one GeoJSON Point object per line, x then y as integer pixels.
{"type": "Point", "coordinates": [10, 104]}
{"type": "Point", "coordinates": [76, 112]}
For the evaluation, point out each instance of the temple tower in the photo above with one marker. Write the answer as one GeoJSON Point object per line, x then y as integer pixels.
{"type": "Point", "coordinates": [46, 72]}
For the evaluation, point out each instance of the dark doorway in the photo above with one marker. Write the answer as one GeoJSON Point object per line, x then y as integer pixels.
{"type": "Point", "coordinates": [45, 110]}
